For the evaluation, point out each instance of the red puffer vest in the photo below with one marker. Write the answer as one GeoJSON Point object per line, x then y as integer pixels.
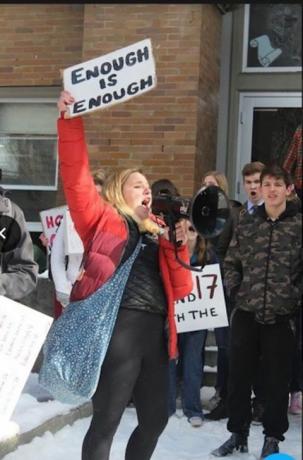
{"type": "Point", "coordinates": [104, 232]}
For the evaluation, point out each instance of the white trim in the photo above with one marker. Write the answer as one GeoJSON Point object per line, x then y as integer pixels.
{"type": "Point", "coordinates": [34, 226]}
{"type": "Point", "coordinates": [258, 69]}
{"type": "Point", "coordinates": [31, 187]}
{"type": "Point", "coordinates": [245, 38]}
{"type": "Point", "coordinates": [38, 100]}
{"type": "Point", "coordinates": [292, 94]}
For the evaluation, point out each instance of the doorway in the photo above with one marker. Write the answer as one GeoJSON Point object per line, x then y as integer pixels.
{"type": "Point", "coordinates": [267, 122]}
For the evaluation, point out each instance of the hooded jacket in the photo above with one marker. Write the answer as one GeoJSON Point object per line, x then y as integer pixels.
{"type": "Point", "coordinates": [18, 270]}
{"type": "Point", "coordinates": [263, 266]}
{"type": "Point", "coordinates": [104, 232]}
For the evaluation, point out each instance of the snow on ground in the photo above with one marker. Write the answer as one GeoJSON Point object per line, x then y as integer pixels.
{"type": "Point", "coordinates": [179, 441]}
{"type": "Point", "coordinates": [29, 413]}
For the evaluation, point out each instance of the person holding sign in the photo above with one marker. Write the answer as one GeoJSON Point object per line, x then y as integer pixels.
{"type": "Point", "coordinates": [136, 362]}
{"type": "Point", "coordinates": [263, 274]}
{"type": "Point", "coordinates": [18, 270]}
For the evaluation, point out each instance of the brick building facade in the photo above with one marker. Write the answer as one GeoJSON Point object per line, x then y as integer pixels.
{"type": "Point", "coordinates": [168, 132]}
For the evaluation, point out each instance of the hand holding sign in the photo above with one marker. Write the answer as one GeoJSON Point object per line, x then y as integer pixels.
{"type": "Point", "coordinates": [64, 101]}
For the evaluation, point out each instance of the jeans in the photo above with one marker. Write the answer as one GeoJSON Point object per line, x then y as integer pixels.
{"type": "Point", "coordinates": [190, 365]}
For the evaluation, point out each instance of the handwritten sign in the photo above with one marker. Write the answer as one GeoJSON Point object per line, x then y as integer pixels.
{"type": "Point", "coordinates": [22, 333]}
{"type": "Point", "coordinates": [111, 79]}
{"type": "Point", "coordinates": [204, 307]}
{"type": "Point", "coordinates": [72, 241]}
{"type": "Point", "coordinates": [51, 219]}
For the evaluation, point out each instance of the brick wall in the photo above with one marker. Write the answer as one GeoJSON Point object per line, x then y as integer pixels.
{"type": "Point", "coordinates": [157, 131]}
{"type": "Point", "coordinates": [38, 40]}
{"type": "Point", "coordinates": [169, 132]}
{"type": "Point", "coordinates": [207, 112]}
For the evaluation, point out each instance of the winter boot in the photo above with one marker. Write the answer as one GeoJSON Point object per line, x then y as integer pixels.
{"type": "Point", "coordinates": [235, 442]}
{"type": "Point", "coordinates": [270, 446]}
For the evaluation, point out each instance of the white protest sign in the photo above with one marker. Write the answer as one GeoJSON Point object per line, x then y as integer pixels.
{"type": "Point", "coordinates": [22, 333]}
{"type": "Point", "coordinates": [111, 79]}
{"type": "Point", "coordinates": [204, 307]}
{"type": "Point", "coordinates": [72, 241]}
{"type": "Point", "coordinates": [50, 219]}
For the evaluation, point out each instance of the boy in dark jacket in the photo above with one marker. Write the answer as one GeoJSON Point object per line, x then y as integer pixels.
{"type": "Point", "coordinates": [263, 274]}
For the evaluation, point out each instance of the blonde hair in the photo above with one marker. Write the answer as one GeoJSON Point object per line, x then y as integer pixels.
{"type": "Point", "coordinates": [113, 194]}
{"type": "Point", "coordinates": [220, 179]}
{"type": "Point", "coordinates": [200, 249]}
{"type": "Point", "coordinates": [98, 176]}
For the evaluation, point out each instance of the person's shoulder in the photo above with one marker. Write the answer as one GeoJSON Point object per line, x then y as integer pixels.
{"type": "Point", "coordinates": [16, 210]}
{"type": "Point", "coordinates": [6, 205]}
{"type": "Point", "coordinates": [11, 209]}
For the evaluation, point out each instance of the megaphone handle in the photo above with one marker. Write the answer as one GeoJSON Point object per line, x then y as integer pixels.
{"type": "Point", "coordinates": [172, 238]}
{"type": "Point", "coordinates": [172, 234]}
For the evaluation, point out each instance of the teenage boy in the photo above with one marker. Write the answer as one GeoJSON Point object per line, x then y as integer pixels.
{"type": "Point", "coordinates": [251, 173]}
{"type": "Point", "coordinates": [263, 274]}
{"type": "Point", "coordinates": [251, 183]}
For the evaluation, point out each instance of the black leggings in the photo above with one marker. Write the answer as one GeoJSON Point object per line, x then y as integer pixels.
{"type": "Point", "coordinates": [135, 366]}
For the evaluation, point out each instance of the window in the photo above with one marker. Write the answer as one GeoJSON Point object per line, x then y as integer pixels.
{"type": "Point", "coordinates": [272, 38]}
{"type": "Point", "coordinates": [28, 144]}
{"type": "Point", "coordinates": [28, 149]}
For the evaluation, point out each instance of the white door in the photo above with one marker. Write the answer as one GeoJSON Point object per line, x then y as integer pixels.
{"type": "Point", "coordinates": [267, 122]}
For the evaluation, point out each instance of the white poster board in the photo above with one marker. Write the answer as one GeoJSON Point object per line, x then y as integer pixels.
{"type": "Point", "coordinates": [22, 333]}
{"type": "Point", "coordinates": [111, 79]}
{"type": "Point", "coordinates": [72, 241]}
{"type": "Point", "coordinates": [51, 219]}
{"type": "Point", "coordinates": [204, 307]}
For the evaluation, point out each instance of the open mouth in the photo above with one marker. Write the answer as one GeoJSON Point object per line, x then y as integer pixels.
{"type": "Point", "coordinates": [146, 203]}
{"type": "Point", "coordinates": [253, 193]}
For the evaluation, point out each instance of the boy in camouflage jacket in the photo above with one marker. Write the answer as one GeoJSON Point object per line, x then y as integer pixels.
{"type": "Point", "coordinates": [263, 275]}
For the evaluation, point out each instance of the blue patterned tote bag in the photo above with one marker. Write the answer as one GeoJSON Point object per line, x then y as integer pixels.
{"type": "Point", "coordinates": [77, 342]}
